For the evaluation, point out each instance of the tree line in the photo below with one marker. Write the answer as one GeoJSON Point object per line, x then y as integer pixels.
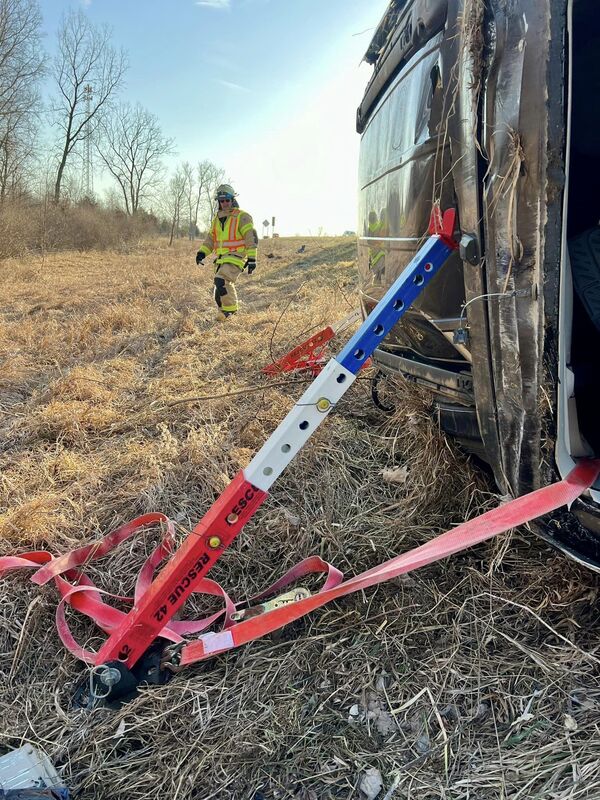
{"type": "Point", "coordinates": [88, 124]}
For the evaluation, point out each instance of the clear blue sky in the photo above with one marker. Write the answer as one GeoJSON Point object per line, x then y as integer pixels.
{"type": "Point", "coordinates": [267, 89]}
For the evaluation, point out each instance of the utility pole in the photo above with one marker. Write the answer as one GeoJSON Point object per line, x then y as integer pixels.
{"type": "Point", "coordinates": [88, 176]}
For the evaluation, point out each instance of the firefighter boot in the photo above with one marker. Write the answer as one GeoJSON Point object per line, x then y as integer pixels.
{"type": "Point", "coordinates": [225, 293]}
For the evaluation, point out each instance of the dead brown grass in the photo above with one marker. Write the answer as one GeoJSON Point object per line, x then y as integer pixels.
{"type": "Point", "coordinates": [475, 678]}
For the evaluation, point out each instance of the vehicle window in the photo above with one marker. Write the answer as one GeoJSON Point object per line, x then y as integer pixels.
{"type": "Point", "coordinates": [402, 120]}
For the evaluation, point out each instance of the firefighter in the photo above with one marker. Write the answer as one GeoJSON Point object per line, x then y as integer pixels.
{"type": "Point", "coordinates": [234, 241]}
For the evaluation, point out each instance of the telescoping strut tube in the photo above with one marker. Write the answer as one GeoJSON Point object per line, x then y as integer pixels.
{"type": "Point", "coordinates": [241, 499]}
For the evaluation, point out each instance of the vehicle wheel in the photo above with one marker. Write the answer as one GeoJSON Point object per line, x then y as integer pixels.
{"type": "Point", "coordinates": [584, 251]}
{"type": "Point", "coordinates": [460, 422]}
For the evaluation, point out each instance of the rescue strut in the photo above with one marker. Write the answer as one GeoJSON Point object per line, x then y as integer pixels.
{"type": "Point", "coordinates": [131, 653]}
{"type": "Point", "coordinates": [248, 490]}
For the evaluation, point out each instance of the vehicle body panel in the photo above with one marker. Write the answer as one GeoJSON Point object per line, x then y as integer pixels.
{"type": "Point", "coordinates": [467, 108]}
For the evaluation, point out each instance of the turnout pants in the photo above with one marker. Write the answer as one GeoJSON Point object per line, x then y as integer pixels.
{"type": "Point", "coordinates": [225, 293]}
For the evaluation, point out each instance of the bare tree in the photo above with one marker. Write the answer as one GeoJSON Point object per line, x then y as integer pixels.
{"type": "Point", "coordinates": [21, 67]}
{"type": "Point", "coordinates": [208, 177]}
{"type": "Point", "coordinates": [188, 176]}
{"type": "Point", "coordinates": [199, 192]}
{"type": "Point", "coordinates": [18, 146]}
{"type": "Point", "coordinates": [174, 200]}
{"type": "Point", "coordinates": [132, 147]}
{"type": "Point", "coordinates": [85, 57]}
{"type": "Point", "coordinates": [21, 55]}
{"type": "Point", "coordinates": [112, 199]}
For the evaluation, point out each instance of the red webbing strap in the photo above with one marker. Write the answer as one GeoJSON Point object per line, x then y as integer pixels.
{"type": "Point", "coordinates": [155, 601]}
{"type": "Point", "coordinates": [498, 520]}
{"type": "Point", "coordinates": [85, 597]}
{"type": "Point", "coordinates": [95, 550]}
{"type": "Point", "coordinates": [184, 573]}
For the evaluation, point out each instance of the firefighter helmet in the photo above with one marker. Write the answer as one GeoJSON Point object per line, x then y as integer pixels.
{"type": "Point", "coordinates": [225, 191]}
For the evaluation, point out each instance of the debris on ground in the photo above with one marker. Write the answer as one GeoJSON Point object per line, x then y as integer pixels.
{"type": "Point", "coordinates": [28, 774]}
{"type": "Point", "coordinates": [371, 783]}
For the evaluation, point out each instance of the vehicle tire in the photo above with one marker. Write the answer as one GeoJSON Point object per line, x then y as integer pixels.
{"type": "Point", "coordinates": [584, 251]}
{"type": "Point", "coordinates": [460, 422]}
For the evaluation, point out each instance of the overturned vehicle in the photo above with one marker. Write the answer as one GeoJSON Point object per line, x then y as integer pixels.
{"type": "Point", "coordinates": [487, 106]}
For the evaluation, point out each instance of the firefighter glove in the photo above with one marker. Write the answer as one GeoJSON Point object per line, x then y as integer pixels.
{"type": "Point", "coordinates": [251, 265]}
{"type": "Point", "coordinates": [200, 256]}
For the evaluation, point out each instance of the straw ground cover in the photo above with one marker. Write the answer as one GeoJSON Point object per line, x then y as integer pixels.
{"type": "Point", "coordinates": [473, 678]}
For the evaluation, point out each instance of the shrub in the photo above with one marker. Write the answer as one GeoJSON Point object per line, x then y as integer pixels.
{"type": "Point", "coordinates": [33, 226]}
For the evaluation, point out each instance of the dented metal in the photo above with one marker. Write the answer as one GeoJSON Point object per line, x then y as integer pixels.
{"type": "Point", "coordinates": [470, 112]}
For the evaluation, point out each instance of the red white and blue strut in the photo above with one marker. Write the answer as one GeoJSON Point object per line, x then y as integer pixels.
{"type": "Point", "coordinates": [131, 635]}
{"type": "Point", "coordinates": [241, 499]}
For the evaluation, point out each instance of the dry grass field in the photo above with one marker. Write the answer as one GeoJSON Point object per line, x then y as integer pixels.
{"type": "Point", "coordinates": [473, 679]}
